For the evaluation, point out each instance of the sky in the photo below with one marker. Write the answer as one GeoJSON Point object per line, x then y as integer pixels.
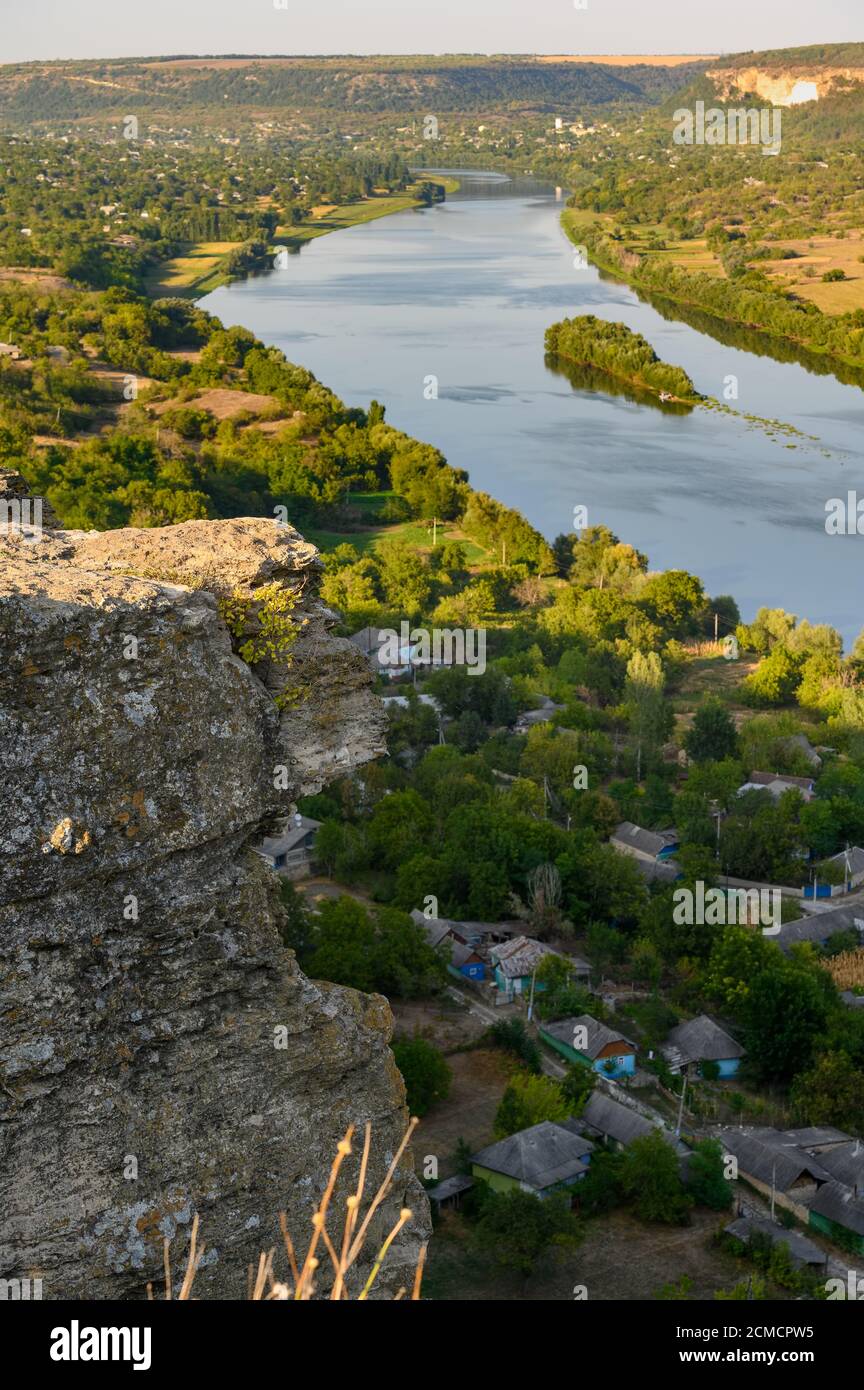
{"type": "Point", "coordinates": [45, 29]}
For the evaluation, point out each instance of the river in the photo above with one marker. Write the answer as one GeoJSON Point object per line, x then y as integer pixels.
{"type": "Point", "coordinates": [463, 292]}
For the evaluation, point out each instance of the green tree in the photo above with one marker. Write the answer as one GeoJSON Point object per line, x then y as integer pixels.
{"type": "Point", "coordinates": [527, 1101]}
{"type": "Point", "coordinates": [713, 735]}
{"type": "Point", "coordinates": [706, 1182]}
{"type": "Point", "coordinates": [517, 1228]}
{"type": "Point", "coordinates": [425, 1071]}
{"type": "Point", "coordinates": [650, 1178]}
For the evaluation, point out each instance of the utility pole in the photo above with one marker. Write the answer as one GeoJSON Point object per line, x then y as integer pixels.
{"type": "Point", "coordinates": [773, 1180]}
{"type": "Point", "coordinates": [681, 1106]}
{"type": "Point", "coordinates": [503, 553]}
{"type": "Point", "coordinates": [716, 620]}
{"type": "Point", "coordinates": [531, 999]}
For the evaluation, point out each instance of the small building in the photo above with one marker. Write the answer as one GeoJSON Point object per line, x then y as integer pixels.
{"type": "Point", "coordinates": [819, 927]}
{"type": "Point", "coordinates": [851, 861]}
{"type": "Point", "coordinates": [800, 743]}
{"type": "Point", "coordinates": [11, 351]}
{"type": "Point", "coordinates": [838, 1213]}
{"type": "Point", "coordinates": [291, 852]}
{"type": "Point", "coordinates": [651, 846]}
{"type": "Point", "coordinates": [515, 963]}
{"type": "Point", "coordinates": [583, 1039]}
{"type": "Point", "coordinates": [702, 1040]}
{"type": "Point", "coordinates": [465, 961]}
{"type": "Point", "coordinates": [543, 1159]}
{"type": "Point", "coordinates": [803, 1253]}
{"type": "Point", "coordinates": [777, 784]}
{"type": "Point", "coordinates": [773, 1164]}
{"type": "Point", "coordinates": [449, 1193]}
{"type": "Point", "coordinates": [617, 1125]}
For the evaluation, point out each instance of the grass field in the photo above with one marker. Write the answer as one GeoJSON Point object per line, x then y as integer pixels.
{"type": "Point", "coordinates": [417, 533]}
{"type": "Point", "coordinates": [189, 274]}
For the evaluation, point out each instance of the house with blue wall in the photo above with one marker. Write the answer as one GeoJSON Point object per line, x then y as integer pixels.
{"type": "Point", "coordinates": [583, 1039]}
{"type": "Point", "coordinates": [702, 1040]}
{"type": "Point", "coordinates": [515, 963]}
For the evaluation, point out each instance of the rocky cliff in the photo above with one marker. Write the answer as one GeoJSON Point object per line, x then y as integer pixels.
{"type": "Point", "coordinates": [164, 697]}
{"type": "Point", "coordinates": [787, 84]}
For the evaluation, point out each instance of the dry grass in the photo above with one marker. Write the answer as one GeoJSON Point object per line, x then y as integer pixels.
{"type": "Point", "coordinates": [306, 1275]}
{"type": "Point", "coordinates": [847, 969]}
{"type": "Point", "coordinates": [629, 60]}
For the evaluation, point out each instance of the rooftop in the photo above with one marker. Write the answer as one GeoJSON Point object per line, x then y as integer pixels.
{"type": "Point", "coordinates": [541, 1156]}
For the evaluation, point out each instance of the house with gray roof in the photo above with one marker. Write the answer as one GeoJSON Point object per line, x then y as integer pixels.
{"type": "Point", "coordinates": [702, 1040]}
{"type": "Point", "coordinates": [618, 1125]}
{"type": "Point", "coordinates": [291, 851]}
{"type": "Point", "coordinates": [837, 1212]}
{"type": "Point", "coordinates": [803, 1253]}
{"type": "Point", "coordinates": [543, 1159]}
{"type": "Point", "coordinates": [820, 927]}
{"type": "Point", "coordinates": [851, 861]}
{"type": "Point", "coordinates": [777, 783]}
{"type": "Point", "coordinates": [515, 963]}
{"type": "Point", "coordinates": [583, 1039]}
{"type": "Point", "coordinates": [773, 1165]}
{"type": "Point", "coordinates": [648, 845]}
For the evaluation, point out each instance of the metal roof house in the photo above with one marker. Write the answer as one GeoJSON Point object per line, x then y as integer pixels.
{"type": "Point", "coordinates": [702, 1040]}
{"type": "Point", "coordinates": [516, 961]}
{"type": "Point", "coordinates": [291, 851]}
{"type": "Point", "coordinates": [803, 1253]}
{"type": "Point", "coordinates": [543, 1159]}
{"type": "Point", "coordinates": [819, 927]}
{"type": "Point", "coordinates": [583, 1039]}
{"type": "Point", "coordinates": [838, 1213]}
{"type": "Point", "coordinates": [777, 783]}
{"type": "Point", "coordinates": [648, 845]}
{"type": "Point", "coordinates": [618, 1125]}
{"type": "Point", "coordinates": [772, 1163]}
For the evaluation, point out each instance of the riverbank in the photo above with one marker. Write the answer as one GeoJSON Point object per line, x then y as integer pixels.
{"type": "Point", "coordinates": [702, 294]}
{"type": "Point", "coordinates": [202, 266]}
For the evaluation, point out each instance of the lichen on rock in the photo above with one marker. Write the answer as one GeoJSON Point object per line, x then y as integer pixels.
{"type": "Point", "coordinates": [143, 983]}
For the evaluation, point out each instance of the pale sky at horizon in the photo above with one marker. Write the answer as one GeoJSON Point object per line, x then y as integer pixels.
{"type": "Point", "coordinates": [46, 29]}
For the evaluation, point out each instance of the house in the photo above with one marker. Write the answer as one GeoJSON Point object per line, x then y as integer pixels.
{"type": "Point", "coordinates": [648, 845]}
{"type": "Point", "coordinates": [541, 715]}
{"type": "Point", "coordinates": [702, 1040]}
{"type": "Point", "coordinates": [543, 1159]}
{"type": "Point", "coordinates": [838, 1212]}
{"type": "Point", "coordinates": [583, 1039]}
{"type": "Point", "coordinates": [776, 1166]}
{"type": "Point", "coordinates": [800, 743]}
{"type": "Point", "coordinates": [803, 1253]}
{"type": "Point", "coordinates": [465, 961]}
{"type": "Point", "coordinates": [11, 351]}
{"type": "Point", "coordinates": [617, 1125]}
{"type": "Point", "coordinates": [777, 783]}
{"type": "Point", "coordinates": [819, 927]}
{"type": "Point", "coordinates": [449, 1193]}
{"type": "Point", "coordinates": [515, 963]}
{"type": "Point", "coordinates": [851, 861]}
{"type": "Point", "coordinates": [291, 852]}
{"type": "Point", "coordinates": [845, 1163]}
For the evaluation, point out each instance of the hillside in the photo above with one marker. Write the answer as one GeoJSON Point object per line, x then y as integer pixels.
{"type": "Point", "coordinates": [76, 91]}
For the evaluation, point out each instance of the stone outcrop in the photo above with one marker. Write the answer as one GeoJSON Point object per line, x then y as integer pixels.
{"type": "Point", "coordinates": [784, 84]}
{"type": "Point", "coordinates": [161, 1054]}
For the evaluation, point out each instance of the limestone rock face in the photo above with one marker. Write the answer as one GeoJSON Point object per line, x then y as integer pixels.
{"type": "Point", "coordinates": [143, 984]}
